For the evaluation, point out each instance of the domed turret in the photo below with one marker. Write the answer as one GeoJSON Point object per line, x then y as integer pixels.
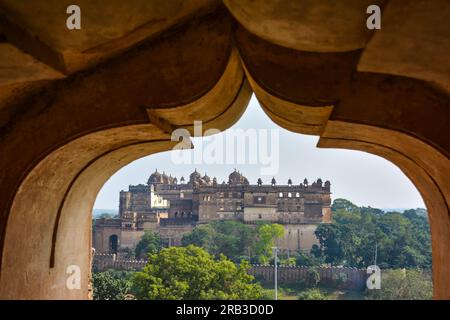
{"type": "Point", "coordinates": [319, 182]}
{"type": "Point", "coordinates": [206, 179]}
{"type": "Point", "coordinates": [195, 175]}
{"type": "Point", "coordinates": [195, 178]}
{"type": "Point", "coordinates": [236, 178]}
{"type": "Point", "coordinates": [290, 182]}
{"type": "Point", "coordinates": [155, 178]}
{"type": "Point", "coordinates": [274, 182]}
{"type": "Point", "coordinates": [165, 178]}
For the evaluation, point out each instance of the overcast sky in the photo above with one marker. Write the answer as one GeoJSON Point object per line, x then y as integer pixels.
{"type": "Point", "coordinates": [365, 179]}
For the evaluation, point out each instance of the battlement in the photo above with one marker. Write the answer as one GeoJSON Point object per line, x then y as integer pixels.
{"type": "Point", "coordinates": [139, 188]}
{"type": "Point", "coordinates": [302, 187]}
{"type": "Point", "coordinates": [335, 277]}
{"type": "Point", "coordinates": [108, 222]}
{"type": "Point", "coordinates": [106, 261]}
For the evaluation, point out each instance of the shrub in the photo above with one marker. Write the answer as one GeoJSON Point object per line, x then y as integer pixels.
{"type": "Point", "coordinates": [312, 294]}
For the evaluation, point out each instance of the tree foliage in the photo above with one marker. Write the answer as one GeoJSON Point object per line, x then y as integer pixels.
{"type": "Point", "coordinates": [403, 285]}
{"type": "Point", "coordinates": [149, 243]}
{"type": "Point", "coordinates": [267, 235]}
{"type": "Point", "coordinates": [306, 259]}
{"type": "Point", "coordinates": [235, 240]}
{"type": "Point", "coordinates": [401, 240]}
{"type": "Point", "coordinates": [111, 285]}
{"type": "Point", "coordinates": [312, 294]}
{"type": "Point", "coordinates": [312, 278]}
{"type": "Point", "coordinates": [192, 273]}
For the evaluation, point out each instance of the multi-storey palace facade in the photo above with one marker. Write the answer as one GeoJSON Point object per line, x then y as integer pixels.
{"type": "Point", "coordinates": [172, 208]}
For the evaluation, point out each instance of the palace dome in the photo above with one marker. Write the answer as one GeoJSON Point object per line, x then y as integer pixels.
{"type": "Point", "coordinates": [206, 179]}
{"type": "Point", "coordinates": [195, 179]}
{"type": "Point", "coordinates": [236, 178]}
{"type": "Point", "coordinates": [155, 177]}
{"type": "Point", "coordinates": [194, 176]}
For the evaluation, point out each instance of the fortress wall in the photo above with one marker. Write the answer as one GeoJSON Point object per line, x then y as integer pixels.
{"type": "Point", "coordinates": [351, 278]}
{"type": "Point", "coordinates": [298, 237]}
{"type": "Point", "coordinates": [106, 261]}
{"type": "Point", "coordinates": [101, 237]}
{"type": "Point", "coordinates": [129, 238]}
{"type": "Point", "coordinates": [253, 214]}
{"type": "Point", "coordinates": [174, 233]}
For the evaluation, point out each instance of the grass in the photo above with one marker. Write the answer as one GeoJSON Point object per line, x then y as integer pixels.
{"type": "Point", "coordinates": [292, 293]}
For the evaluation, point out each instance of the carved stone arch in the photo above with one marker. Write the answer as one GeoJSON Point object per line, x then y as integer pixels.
{"type": "Point", "coordinates": [360, 110]}
{"type": "Point", "coordinates": [54, 197]}
{"type": "Point", "coordinates": [75, 109]}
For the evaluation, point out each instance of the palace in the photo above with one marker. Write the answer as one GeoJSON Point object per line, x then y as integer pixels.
{"type": "Point", "coordinates": [172, 208]}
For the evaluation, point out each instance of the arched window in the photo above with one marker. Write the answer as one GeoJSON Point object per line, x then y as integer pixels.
{"type": "Point", "coordinates": [280, 195]}
{"type": "Point", "coordinates": [289, 195]}
{"type": "Point", "coordinates": [113, 243]}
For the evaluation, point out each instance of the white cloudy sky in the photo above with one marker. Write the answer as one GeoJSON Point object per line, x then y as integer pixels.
{"type": "Point", "coordinates": [363, 178]}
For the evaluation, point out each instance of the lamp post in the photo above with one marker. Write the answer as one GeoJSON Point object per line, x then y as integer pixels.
{"type": "Point", "coordinates": [275, 255]}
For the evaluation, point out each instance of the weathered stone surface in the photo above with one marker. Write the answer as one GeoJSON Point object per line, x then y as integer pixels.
{"type": "Point", "coordinates": [313, 65]}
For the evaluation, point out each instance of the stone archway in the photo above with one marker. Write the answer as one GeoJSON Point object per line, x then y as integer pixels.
{"type": "Point", "coordinates": [91, 107]}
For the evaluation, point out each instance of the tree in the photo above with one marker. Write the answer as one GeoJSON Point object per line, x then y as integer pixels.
{"type": "Point", "coordinates": [329, 239]}
{"type": "Point", "coordinates": [202, 236]}
{"type": "Point", "coordinates": [291, 261]}
{"type": "Point", "coordinates": [401, 284]}
{"type": "Point", "coordinates": [234, 239]}
{"type": "Point", "coordinates": [309, 259]}
{"type": "Point", "coordinates": [312, 278]}
{"type": "Point", "coordinates": [267, 235]}
{"type": "Point", "coordinates": [192, 273]}
{"type": "Point", "coordinates": [402, 240]}
{"type": "Point", "coordinates": [111, 285]}
{"type": "Point", "coordinates": [343, 204]}
{"type": "Point", "coordinates": [129, 253]}
{"type": "Point", "coordinates": [149, 243]}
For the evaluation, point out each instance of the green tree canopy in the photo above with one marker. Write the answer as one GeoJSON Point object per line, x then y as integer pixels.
{"type": "Point", "coordinates": [401, 240]}
{"type": "Point", "coordinates": [403, 285]}
{"type": "Point", "coordinates": [192, 273]}
{"type": "Point", "coordinates": [236, 240]}
{"type": "Point", "coordinates": [111, 285]}
{"type": "Point", "coordinates": [149, 243]}
{"type": "Point", "coordinates": [267, 236]}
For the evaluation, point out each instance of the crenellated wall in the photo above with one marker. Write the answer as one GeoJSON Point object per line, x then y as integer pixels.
{"type": "Point", "coordinates": [106, 261]}
{"type": "Point", "coordinates": [352, 278]}
{"type": "Point", "coordinates": [335, 277]}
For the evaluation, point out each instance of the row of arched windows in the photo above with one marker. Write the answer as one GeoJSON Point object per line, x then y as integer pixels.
{"type": "Point", "coordinates": [288, 195]}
